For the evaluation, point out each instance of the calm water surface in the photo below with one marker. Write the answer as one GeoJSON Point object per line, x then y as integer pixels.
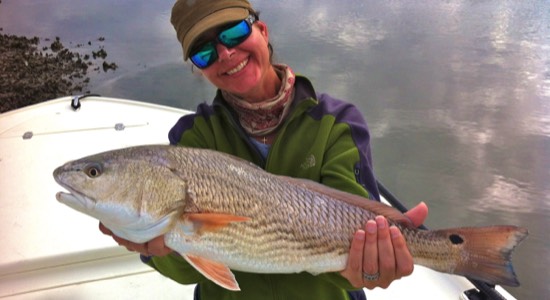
{"type": "Point", "coordinates": [456, 93]}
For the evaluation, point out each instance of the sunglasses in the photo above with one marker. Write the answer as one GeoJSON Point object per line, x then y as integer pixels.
{"type": "Point", "coordinates": [206, 54]}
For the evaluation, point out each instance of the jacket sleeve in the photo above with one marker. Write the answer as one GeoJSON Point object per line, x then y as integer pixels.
{"type": "Point", "coordinates": [192, 130]}
{"type": "Point", "coordinates": [347, 163]}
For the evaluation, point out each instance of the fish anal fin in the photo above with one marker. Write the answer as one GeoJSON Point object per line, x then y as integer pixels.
{"type": "Point", "coordinates": [212, 221]}
{"type": "Point", "coordinates": [215, 271]}
{"type": "Point", "coordinates": [375, 207]}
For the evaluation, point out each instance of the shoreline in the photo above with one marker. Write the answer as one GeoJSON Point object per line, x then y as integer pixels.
{"type": "Point", "coordinates": [34, 70]}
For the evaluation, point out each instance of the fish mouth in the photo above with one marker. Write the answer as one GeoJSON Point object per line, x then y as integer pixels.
{"type": "Point", "coordinates": [75, 200]}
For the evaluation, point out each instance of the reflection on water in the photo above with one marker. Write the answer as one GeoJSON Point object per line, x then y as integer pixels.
{"type": "Point", "coordinates": [497, 196]}
{"type": "Point", "coordinates": [457, 93]}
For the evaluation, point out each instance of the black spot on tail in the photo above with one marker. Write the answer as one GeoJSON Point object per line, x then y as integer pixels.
{"type": "Point", "coordinates": [456, 239]}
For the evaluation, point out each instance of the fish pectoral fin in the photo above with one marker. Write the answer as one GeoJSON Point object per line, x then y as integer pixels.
{"type": "Point", "coordinates": [215, 271]}
{"type": "Point", "coordinates": [212, 221]}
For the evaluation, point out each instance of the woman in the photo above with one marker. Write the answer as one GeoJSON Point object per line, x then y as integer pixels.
{"type": "Point", "coordinates": [264, 113]}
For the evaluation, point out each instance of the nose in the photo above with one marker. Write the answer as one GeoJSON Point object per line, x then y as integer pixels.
{"type": "Point", "coordinates": [224, 52]}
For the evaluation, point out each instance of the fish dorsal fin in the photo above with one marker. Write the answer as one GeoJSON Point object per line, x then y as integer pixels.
{"type": "Point", "coordinates": [376, 207]}
{"type": "Point", "coordinates": [215, 271]}
{"type": "Point", "coordinates": [212, 221]}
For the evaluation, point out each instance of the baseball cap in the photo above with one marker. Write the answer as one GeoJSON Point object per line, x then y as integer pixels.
{"type": "Point", "coordinates": [191, 18]}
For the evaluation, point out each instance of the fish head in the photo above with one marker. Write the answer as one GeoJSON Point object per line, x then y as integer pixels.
{"type": "Point", "coordinates": [137, 195]}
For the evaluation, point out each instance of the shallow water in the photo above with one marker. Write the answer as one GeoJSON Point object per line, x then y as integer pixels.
{"type": "Point", "coordinates": [456, 93]}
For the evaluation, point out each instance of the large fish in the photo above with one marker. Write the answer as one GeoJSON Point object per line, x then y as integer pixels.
{"type": "Point", "coordinates": [220, 213]}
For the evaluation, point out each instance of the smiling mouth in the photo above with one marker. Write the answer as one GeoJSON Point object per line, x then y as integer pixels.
{"type": "Point", "coordinates": [238, 67]}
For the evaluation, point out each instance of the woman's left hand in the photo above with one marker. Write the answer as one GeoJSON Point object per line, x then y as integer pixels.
{"type": "Point", "coordinates": [379, 254]}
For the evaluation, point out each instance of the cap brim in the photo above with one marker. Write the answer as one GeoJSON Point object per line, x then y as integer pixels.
{"type": "Point", "coordinates": [213, 20]}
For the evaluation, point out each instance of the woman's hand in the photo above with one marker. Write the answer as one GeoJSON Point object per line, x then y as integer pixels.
{"type": "Point", "coordinates": [379, 254]}
{"type": "Point", "coordinates": [154, 247]}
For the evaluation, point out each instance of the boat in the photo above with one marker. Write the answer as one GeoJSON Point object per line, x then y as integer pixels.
{"type": "Point", "coordinates": [50, 251]}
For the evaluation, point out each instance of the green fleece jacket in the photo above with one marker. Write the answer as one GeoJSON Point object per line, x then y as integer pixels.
{"type": "Point", "coordinates": [322, 139]}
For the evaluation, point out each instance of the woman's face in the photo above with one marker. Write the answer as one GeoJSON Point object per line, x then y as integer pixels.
{"type": "Point", "coordinates": [244, 70]}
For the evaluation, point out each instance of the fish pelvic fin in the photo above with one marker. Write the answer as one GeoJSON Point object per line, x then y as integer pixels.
{"type": "Point", "coordinates": [215, 271]}
{"type": "Point", "coordinates": [212, 221]}
{"type": "Point", "coordinates": [487, 252]}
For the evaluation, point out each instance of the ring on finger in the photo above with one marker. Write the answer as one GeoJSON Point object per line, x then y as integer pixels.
{"type": "Point", "coordinates": [371, 277]}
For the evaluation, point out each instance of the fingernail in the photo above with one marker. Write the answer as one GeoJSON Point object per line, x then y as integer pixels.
{"type": "Point", "coordinates": [381, 222]}
{"type": "Point", "coordinates": [371, 227]}
{"type": "Point", "coordinates": [360, 235]}
{"type": "Point", "coordinates": [394, 232]}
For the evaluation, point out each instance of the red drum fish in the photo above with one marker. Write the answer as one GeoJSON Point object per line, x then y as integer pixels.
{"type": "Point", "coordinates": [220, 213]}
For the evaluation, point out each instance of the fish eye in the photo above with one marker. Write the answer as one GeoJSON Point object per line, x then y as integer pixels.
{"type": "Point", "coordinates": [93, 170]}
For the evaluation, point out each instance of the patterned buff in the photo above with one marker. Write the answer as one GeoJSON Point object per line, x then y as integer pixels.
{"type": "Point", "coordinates": [264, 117]}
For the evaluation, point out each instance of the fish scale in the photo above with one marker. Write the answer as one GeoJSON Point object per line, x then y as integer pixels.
{"type": "Point", "coordinates": [221, 213]}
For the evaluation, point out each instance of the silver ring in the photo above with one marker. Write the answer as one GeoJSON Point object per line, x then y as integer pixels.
{"type": "Point", "coordinates": [371, 277]}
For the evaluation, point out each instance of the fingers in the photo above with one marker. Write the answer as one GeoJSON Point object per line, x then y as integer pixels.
{"type": "Point", "coordinates": [157, 247]}
{"type": "Point", "coordinates": [403, 258]}
{"type": "Point", "coordinates": [104, 229]}
{"type": "Point", "coordinates": [418, 214]}
{"type": "Point", "coordinates": [154, 247]}
{"type": "Point", "coordinates": [370, 261]}
{"type": "Point", "coordinates": [378, 250]}
{"type": "Point", "coordinates": [386, 258]}
{"type": "Point", "coordinates": [354, 268]}
{"type": "Point", "coordinates": [364, 255]}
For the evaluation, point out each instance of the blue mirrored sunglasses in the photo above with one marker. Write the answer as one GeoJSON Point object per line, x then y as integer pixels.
{"type": "Point", "coordinates": [206, 54]}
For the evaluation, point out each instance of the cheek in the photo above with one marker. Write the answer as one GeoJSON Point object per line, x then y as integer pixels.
{"type": "Point", "coordinates": [209, 73]}
{"type": "Point", "coordinates": [257, 45]}
{"type": "Point", "coordinates": [218, 81]}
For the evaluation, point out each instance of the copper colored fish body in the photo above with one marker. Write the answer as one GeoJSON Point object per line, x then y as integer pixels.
{"type": "Point", "coordinates": [220, 213]}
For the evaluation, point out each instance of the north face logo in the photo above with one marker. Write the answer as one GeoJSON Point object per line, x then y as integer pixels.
{"type": "Point", "coordinates": [309, 162]}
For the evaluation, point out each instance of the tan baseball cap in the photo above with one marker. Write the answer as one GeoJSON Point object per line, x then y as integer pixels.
{"type": "Point", "coordinates": [191, 18]}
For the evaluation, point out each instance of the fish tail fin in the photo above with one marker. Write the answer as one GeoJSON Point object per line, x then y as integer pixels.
{"type": "Point", "coordinates": [487, 252]}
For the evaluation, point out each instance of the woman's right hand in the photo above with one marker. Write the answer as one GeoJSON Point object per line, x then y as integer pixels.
{"type": "Point", "coordinates": [154, 247]}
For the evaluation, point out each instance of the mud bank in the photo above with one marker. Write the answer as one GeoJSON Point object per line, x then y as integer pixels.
{"type": "Point", "coordinates": [34, 70]}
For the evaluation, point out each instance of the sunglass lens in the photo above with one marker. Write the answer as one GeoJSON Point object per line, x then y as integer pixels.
{"type": "Point", "coordinates": [205, 56]}
{"type": "Point", "coordinates": [230, 37]}
{"type": "Point", "coordinates": [235, 35]}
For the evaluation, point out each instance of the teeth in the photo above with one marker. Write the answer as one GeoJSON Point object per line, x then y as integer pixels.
{"type": "Point", "coordinates": [238, 68]}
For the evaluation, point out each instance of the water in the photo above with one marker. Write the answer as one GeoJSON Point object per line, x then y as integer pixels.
{"type": "Point", "coordinates": [456, 93]}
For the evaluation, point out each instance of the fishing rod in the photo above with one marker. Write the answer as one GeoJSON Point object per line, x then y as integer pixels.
{"type": "Point", "coordinates": [484, 290]}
